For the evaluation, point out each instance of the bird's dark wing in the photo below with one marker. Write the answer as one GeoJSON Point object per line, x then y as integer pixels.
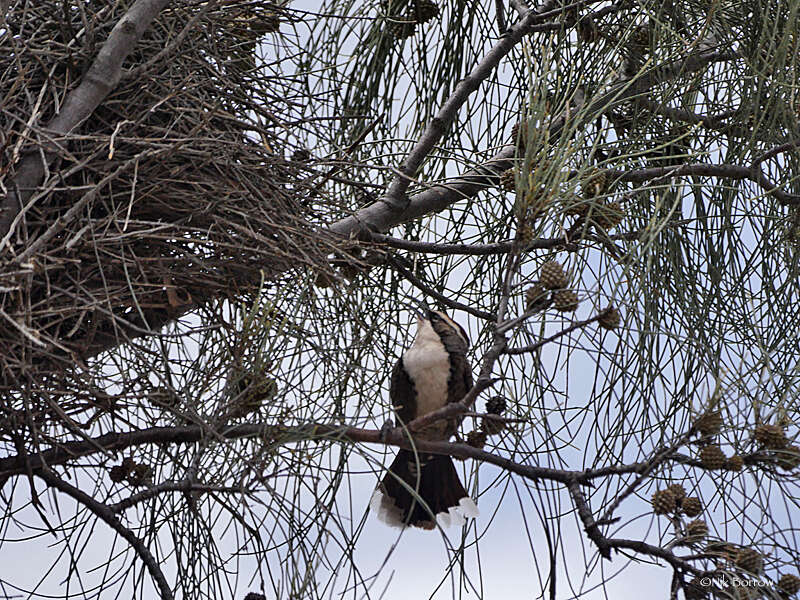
{"type": "Point", "coordinates": [403, 394]}
{"type": "Point", "coordinates": [460, 378]}
{"type": "Point", "coordinates": [453, 343]}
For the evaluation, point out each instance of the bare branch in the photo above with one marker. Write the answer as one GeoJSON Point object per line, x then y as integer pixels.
{"type": "Point", "coordinates": [191, 434]}
{"type": "Point", "coordinates": [103, 512]}
{"type": "Point", "coordinates": [589, 524]}
{"type": "Point", "coordinates": [172, 486]}
{"type": "Point", "coordinates": [727, 171]}
{"type": "Point", "coordinates": [394, 199]}
{"type": "Point", "coordinates": [380, 217]}
{"type": "Point", "coordinates": [555, 336]}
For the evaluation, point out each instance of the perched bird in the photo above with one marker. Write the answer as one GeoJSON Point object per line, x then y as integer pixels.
{"type": "Point", "coordinates": [420, 488]}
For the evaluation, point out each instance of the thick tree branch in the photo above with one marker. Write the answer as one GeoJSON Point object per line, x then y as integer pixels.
{"type": "Point", "coordinates": [395, 199]}
{"type": "Point", "coordinates": [380, 217]}
{"type": "Point", "coordinates": [40, 466]}
{"type": "Point", "coordinates": [654, 551]}
{"type": "Point", "coordinates": [716, 121]}
{"type": "Point", "coordinates": [503, 247]}
{"type": "Point", "coordinates": [589, 524]}
{"type": "Point", "coordinates": [499, 10]}
{"type": "Point", "coordinates": [114, 442]}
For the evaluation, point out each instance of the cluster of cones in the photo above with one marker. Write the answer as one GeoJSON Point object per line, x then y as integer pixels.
{"type": "Point", "coordinates": [403, 20]}
{"type": "Point", "coordinates": [136, 474]}
{"type": "Point", "coordinates": [774, 447]}
{"type": "Point", "coordinates": [491, 424]}
{"type": "Point", "coordinates": [592, 206]}
{"type": "Point", "coordinates": [553, 289]}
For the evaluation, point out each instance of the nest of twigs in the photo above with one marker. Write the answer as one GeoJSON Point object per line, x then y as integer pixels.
{"type": "Point", "coordinates": [184, 176]}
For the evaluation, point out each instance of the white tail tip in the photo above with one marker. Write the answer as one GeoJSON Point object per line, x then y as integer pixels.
{"type": "Point", "coordinates": [388, 512]}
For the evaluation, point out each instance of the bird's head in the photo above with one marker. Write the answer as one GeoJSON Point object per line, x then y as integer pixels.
{"type": "Point", "coordinates": [436, 320]}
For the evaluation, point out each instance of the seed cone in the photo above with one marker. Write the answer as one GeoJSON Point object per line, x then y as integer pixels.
{"type": "Point", "coordinates": [519, 135]}
{"type": "Point", "coordinates": [536, 297]}
{"type": "Point", "coordinates": [750, 560]}
{"type": "Point", "coordinates": [609, 319]}
{"type": "Point", "coordinates": [788, 458]}
{"type": "Point", "coordinates": [722, 550]}
{"type": "Point", "coordinates": [696, 530]}
{"type": "Point", "coordinates": [163, 397]}
{"type": "Point", "coordinates": [609, 215]}
{"type": "Point", "coordinates": [712, 457]}
{"type": "Point", "coordinates": [496, 405]}
{"type": "Point", "coordinates": [771, 437]}
{"type": "Point", "coordinates": [141, 475]}
{"type": "Point", "coordinates": [565, 300]}
{"type": "Point", "coordinates": [664, 502]}
{"type": "Point", "coordinates": [734, 463]}
{"type": "Point", "coordinates": [492, 426]}
{"type": "Point", "coordinates": [692, 506]}
{"type": "Point", "coordinates": [301, 155]}
{"type": "Point", "coordinates": [401, 27]}
{"type": "Point", "coordinates": [789, 583]}
{"type": "Point", "coordinates": [476, 439]}
{"type": "Point", "coordinates": [508, 181]}
{"type": "Point", "coordinates": [640, 39]}
{"type": "Point", "coordinates": [709, 423]}
{"type": "Point", "coordinates": [576, 207]}
{"type": "Point", "coordinates": [270, 22]}
{"type": "Point", "coordinates": [253, 391]}
{"type": "Point", "coordinates": [425, 10]}
{"type": "Point", "coordinates": [694, 590]}
{"type": "Point", "coordinates": [552, 275]}
{"type": "Point", "coordinates": [595, 184]}
{"type": "Point", "coordinates": [744, 593]}
{"type": "Point", "coordinates": [525, 233]}
{"type": "Point", "coordinates": [678, 491]}
{"type": "Point", "coordinates": [117, 473]}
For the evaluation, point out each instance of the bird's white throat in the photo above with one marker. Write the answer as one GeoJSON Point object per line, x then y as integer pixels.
{"type": "Point", "coordinates": [428, 365]}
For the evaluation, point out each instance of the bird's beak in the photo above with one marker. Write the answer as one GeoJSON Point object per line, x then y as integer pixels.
{"type": "Point", "coordinates": [423, 311]}
{"type": "Point", "coordinates": [418, 308]}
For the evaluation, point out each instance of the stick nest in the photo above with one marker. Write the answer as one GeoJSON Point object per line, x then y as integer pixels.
{"type": "Point", "coordinates": [184, 175]}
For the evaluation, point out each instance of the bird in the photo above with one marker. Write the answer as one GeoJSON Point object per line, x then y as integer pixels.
{"type": "Point", "coordinates": [421, 489]}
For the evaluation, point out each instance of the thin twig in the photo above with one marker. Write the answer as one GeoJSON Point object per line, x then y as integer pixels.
{"type": "Point", "coordinates": [102, 512]}
{"type": "Point", "coordinates": [171, 486]}
{"type": "Point", "coordinates": [555, 336]}
{"type": "Point", "coordinates": [413, 279]}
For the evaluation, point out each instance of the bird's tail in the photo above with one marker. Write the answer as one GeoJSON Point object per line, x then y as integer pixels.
{"type": "Point", "coordinates": [418, 489]}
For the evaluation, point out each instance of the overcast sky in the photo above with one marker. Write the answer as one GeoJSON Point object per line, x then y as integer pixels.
{"type": "Point", "coordinates": [511, 561]}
